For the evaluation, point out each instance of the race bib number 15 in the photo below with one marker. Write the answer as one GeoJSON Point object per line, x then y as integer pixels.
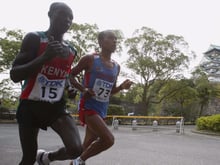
{"type": "Point", "coordinates": [47, 90]}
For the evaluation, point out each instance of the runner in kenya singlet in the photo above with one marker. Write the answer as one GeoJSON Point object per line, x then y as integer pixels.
{"type": "Point", "coordinates": [101, 79]}
{"type": "Point", "coordinates": [49, 81]}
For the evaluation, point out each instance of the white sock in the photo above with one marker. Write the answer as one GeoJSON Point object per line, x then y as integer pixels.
{"type": "Point", "coordinates": [80, 160]}
{"type": "Point", "coordinates": [45, 158]}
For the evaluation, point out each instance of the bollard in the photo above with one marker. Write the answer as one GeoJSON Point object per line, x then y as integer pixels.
{"type": "Point", "coordinates": [134, 124]}
{"type": "Point", "coordinates": [115, 124]}
{"type": "Point", "coordinates": [178, 127]}
{"type": "Point", "coordinates": [155, 124]}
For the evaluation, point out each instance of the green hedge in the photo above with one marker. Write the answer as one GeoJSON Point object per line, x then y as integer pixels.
{"type": "Point", "coordinates": [115, 110]}
{"type": "Point", "coordinates": [211, 123]}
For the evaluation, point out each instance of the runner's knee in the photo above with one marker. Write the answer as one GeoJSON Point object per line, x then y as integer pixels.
{"type": "Point", "coordinates": [74, 151]}
{"type": "Point", "coordinates": [108, 141]}
{"type": "Point", "coordinates": [111, 141]}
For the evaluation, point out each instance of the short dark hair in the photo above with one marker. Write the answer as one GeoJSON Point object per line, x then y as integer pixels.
{"type": "Point", "coordinates": [54, 6]}
{"type": "Point", "coordinates": [102, 34]}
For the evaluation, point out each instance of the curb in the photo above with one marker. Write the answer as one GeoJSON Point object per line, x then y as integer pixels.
{"type": "Point", "coordinates": [8, 121]}
{"type": "Point", "coordinates": [206, 132]}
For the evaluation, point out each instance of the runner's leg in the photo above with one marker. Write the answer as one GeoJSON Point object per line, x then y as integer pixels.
{"type": "Point", "coordinates": [28, 140]}
{"type": "Point", "coordinates": [89, 138]}
{"type": "Point", "coordinates": [105, 140]}
{"type": "Point", "coordinates": [66, 128]}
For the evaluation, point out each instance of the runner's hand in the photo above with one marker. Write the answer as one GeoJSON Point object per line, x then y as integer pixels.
{"type": "Point", "coordinates": [88, 93]}
{"type": "Point", "coordinates": [126, 84]}
{"type": "Point", "coordinates": [55, 48]}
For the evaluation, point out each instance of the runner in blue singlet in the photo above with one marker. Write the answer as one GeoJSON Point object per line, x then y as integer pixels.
{"type": "Point", "coordinates": [100, 75]}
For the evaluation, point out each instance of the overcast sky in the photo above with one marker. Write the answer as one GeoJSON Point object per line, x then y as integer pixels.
{"type": "Point", "coordinates": [198, 21]}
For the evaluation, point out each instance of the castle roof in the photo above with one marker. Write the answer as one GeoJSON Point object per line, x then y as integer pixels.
{"type": "Point", "coordinates": [212, 48]}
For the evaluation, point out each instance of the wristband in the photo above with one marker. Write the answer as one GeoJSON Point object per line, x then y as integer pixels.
{"type": "Point", "coordinates": [85, 90]}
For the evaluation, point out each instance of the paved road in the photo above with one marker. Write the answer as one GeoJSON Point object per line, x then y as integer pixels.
{"type": "Point", "coordinates": [132, 147]}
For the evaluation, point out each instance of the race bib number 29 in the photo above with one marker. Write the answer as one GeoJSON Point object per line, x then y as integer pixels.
{"type": "Point", "coordinates": [102, 90]}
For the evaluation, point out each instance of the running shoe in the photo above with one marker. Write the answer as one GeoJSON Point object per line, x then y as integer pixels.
{"type": "Point", "coordinates": [77, 161]}
{"type": "Point", "coordinates": [42, 157]}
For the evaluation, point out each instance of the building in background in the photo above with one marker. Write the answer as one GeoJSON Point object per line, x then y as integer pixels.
{"type": "Point", "coordinates": [210, 64]}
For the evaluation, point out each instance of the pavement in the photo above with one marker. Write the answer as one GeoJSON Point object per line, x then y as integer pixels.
{"type": "Point", "coordinates": [142, 146]}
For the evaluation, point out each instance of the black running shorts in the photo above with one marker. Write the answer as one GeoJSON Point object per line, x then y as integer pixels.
{"type": "Point", "coordinates": [39, 114]}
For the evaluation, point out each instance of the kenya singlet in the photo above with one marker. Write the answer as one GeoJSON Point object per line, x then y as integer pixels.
{"type": "Point", "coordinates": [49, 81]}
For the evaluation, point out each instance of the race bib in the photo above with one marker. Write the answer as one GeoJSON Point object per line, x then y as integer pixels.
{"type": "Point", "coordinates": [47, 90]}
{"type": "Point", "coordinates": [102, 90]}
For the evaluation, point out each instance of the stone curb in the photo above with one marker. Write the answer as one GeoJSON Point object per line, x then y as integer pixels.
{"type": "Point", "coordinates": [206, 132]}
{"type": "Point", "coordinates": [8, 121]}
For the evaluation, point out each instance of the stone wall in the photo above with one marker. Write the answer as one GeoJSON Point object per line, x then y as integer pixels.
{"type": "Point", "coordinates": [213, 107]}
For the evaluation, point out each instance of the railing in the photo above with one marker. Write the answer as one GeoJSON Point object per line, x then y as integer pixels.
{"type": "Point", "coordinates": [115, 121]}
{"type": "Point", "coordinates": [179, 123]}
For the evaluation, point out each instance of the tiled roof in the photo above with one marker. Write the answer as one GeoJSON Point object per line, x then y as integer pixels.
{"type": "Point", "coordinates": [212, 47]}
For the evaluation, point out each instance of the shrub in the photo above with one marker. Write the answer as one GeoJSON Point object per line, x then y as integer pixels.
{"type": "Point", "coordinates": [211, 123]}
{"type": "Point", "coordinates": [115, 110]}
{"type": "Point", "coordinates": [216, 122]}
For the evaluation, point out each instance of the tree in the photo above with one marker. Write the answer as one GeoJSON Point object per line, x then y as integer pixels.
{"type": "Point", "coordinates": [181, 96]}
{"type": "Point", "coordinates": [154, 57]}
{"type": "Point", "coordinates": [10, 42]}
{"type": "Point", "coordinates": [84, 38]}
{"type": "Point", "coordinates": [133, 94]}
{"type": "Point", "coordinates": [205, 90]}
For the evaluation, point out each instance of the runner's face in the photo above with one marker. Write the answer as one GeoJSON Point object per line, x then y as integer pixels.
{"type": "Point", "coordinates": [62, 19]}
{"type": "Point", "coordinates": [110, 41]}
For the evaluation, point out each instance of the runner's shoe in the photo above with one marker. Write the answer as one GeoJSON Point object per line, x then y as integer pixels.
{"type": "Point", "coordinates": [77, 161]}
{"type": "Point", "coordinates": [42, 157]}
